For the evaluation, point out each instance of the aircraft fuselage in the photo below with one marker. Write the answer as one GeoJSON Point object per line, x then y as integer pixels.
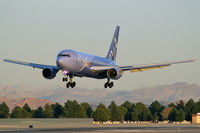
{"type": "Point", "coordinates": [79, 63]}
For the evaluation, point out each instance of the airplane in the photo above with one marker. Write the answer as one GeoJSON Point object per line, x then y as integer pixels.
{"type": "Point", "coordinates": [73, 63]}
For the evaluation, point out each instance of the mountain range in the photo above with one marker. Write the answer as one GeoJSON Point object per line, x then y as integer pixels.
{"type": "Point", "coordinates": [34, 103]}
{"type": "Point", "coordinates": [163, 93]}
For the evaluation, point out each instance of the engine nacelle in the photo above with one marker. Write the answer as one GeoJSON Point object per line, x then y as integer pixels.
{"type": "Point", "coordinates": [114, 73]}
{"type": "Point", "coordinates": [49, 73]}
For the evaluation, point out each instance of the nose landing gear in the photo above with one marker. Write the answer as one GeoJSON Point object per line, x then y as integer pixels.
{"type": "Point", "coordinates": [108, 84]}
{"type": "Point", "coordinates": [65, 78]}
{"type": "Point", "coordinates": [70, 83]}
{"type": "Point", "coordinates": [73, 84]}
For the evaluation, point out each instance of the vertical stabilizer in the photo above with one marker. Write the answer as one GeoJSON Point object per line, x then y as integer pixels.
{"type": "Point", "coordinates": [113, 46]}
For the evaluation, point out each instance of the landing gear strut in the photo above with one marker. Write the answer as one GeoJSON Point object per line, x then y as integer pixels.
{"type": "Point", "coordinates": [70, 83]}
{"type": "Point", "coordinates": [108, 84]}
{"type": "Point", "coordinates": [65, 78]}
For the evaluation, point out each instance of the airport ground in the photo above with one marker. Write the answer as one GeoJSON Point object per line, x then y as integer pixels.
{"type": "Point", "coordinates": [112, 129]}
{"type": "Point", "coordinates": [86, 125]}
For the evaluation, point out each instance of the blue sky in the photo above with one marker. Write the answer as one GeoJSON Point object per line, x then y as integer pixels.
{"type": "Point", "coordinates": [151, 31]}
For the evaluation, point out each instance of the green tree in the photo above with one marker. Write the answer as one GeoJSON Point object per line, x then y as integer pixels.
{"type": "Point", "coordinates": [87, 109]}
{"type": "Point", "coordinates": [58, 111]}
{"type": "Point", "coordinates": [127, 105]}
{"type": "Point", "coordinates": [141, 112]}
{"type": "Point", "coordinates": [74, 109]}
{"type": "Point", "coordinates": [27, 108]}
{"type": "Point", "coordinates": [135, 115]}
{"type": "Point", "coordinates": [180, 115]}
{"type": "Point", "coordinates": [39, 113]}
{"type": "Point", "coordinates": [188, 109]}
{"type": "Point", "coordinates": [195, 109]}
{"type": "Point", "coordinates": [171, 105]}
{"type": "Point", "coordinates": [116, 113]}
{"type": "Point", "coordinates": [4, 110]}
{"type": "Point", "coordinates": [180, 105]}
{"type": "Point", "coordinates": [101, 113]}
{"type": "Point", "coordinates": [155, 117]}
{"type": "Point", "coordinates": [27, 112]}
{"type": "Point", "coordinates": [129, 109]}
{"type": "Point", "coordinates": [112, 105]}
{"type": "Point", "coordinates": [198, 105]}
{"type": "Point", "coordinates": [17, 112]}
{"type": "Point", "coordinates": [156, 107]}
{"type": "Point", "coordinates": [123, 111]}
{"type": "Point", "coordinates": [48, 111]}
{"type": "Point", "coordinates": [172, 115]}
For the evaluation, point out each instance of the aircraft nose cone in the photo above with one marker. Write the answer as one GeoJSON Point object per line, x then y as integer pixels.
{"type": "Point", "coordinates": [59, 62]}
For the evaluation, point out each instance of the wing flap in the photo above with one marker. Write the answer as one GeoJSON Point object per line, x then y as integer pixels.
{"type": "Point", "coordinates": [149, 68]}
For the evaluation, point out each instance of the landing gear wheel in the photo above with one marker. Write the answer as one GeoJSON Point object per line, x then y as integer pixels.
{"type": "Point", "coordinates": [65, 79]}
{"type": "Point", "coordinates": [73, 84]}
{"type": "Point", "coordinates": [68, 85]}
{"type": "Point", "coordinates": [106, 85]}
{"type": "Point", "coordinates": [111, 84]}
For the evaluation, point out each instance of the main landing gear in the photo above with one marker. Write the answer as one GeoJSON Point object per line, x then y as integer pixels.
{"type": "Point", "coordinates": [70, 83]}
{"type": "Point", "coordinates": [108, 84]}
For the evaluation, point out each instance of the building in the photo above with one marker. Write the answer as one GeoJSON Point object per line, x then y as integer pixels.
{"type": "Point", "coordinates": [196, 118]}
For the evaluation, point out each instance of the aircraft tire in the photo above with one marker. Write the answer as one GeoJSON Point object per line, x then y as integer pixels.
{"type": "Point", "coordinates": [74, 84]}
{"type": "Point", "coordinates": [68, 84]}
{"type": "Point", "coordinates": [64, 79]}
{"type": "Point", "coordinates": [111, 84]}
{"type": "Point", "coordinates": [106, 85]}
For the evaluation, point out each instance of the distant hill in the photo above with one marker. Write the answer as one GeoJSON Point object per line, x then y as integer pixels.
{"type": "Point", "coordinates": [34, 103]}
{"type": "Point", "coordinates": [164, 93]}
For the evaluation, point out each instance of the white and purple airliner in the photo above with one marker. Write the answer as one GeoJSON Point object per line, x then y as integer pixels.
{"type": "Point", "coordinates": [73, 63]}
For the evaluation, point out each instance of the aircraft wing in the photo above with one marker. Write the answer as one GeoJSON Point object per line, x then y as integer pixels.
{"type": "Point", "coordinates": [137, 68]}
{"type": "Point", "coordinates": [40, 66]}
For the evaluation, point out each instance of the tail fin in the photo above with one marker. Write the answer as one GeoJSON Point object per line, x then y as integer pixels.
{"type": "Point", "coordinates": [113, 46]}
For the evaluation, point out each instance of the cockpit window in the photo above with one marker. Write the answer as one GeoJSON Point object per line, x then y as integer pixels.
{"type": "Point", "coordinates": [67, 55]}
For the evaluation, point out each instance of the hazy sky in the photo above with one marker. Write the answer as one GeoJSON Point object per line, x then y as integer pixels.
{"type": "Point", "coordinates": [151, 31]}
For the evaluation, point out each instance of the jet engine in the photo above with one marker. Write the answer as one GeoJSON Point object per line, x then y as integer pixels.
{"type": "Point", "coordinates": [114, 73]}
{"type": "Point", "coordinates": [49, 73]}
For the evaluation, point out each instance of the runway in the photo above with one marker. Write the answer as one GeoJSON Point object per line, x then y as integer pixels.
{"type": "Point", "coordinates": [87, 126]}
{"type": "Point", "coordinates": [108, 130]}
